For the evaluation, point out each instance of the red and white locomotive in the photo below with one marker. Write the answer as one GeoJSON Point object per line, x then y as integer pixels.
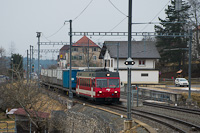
{"type": "Point", "coordinates": [98, 85]}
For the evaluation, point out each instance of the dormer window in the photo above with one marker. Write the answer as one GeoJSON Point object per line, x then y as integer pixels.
{"type": "Point", "coordinates": [142, 62]}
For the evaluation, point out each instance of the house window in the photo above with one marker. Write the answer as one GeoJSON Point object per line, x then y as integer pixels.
{"type": "Point", "coordinates": [94, 57]}
{"type": "Point", "coordinates": [74, 57]}
{"type": "Point", "coordinates": [94, 49]}
{"type": "Point", "coordinates": [111, 63]}
{"type": "Point", "coordinates": [80, 57]}
{"type": "Point", "coordinates": [141, 62]}
{"type": "Point", "coordinates": [107, 63]}
{"type": "Point", "coordinates": [75, 49]}
{"type": "Point", "coordinates": [144, 74]}
{"type": "Point", "coordinates": [84, 49]}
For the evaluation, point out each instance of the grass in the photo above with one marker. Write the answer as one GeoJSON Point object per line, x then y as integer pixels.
{"type": "Point", "coordinates": [195, 97]}
{"type": "Point", "coordinates": [4, 121]}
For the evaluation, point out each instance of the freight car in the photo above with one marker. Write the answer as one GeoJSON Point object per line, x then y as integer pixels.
{"type": "Point", "coordinates": [59, 77]}
{"type": "Point", "coordinates": [97, 85]}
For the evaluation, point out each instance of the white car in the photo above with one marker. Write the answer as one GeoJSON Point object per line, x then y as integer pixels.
{"type": "Point", "coordinates": [181, 82]}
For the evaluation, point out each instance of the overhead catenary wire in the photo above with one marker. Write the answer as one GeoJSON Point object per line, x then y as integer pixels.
{"type": "Point", "coordinates": [117, 8]}
{"type": "Point", "coordinates": [55, 32]}
{"type": "Point", "coordinates": [45, 37]}
{"type": "Point", "coordinates": [113, 27]}
{"type": "Point", "coordinates": [68, 23]}
{"type": "Point", "coordinates": [156, 15]}
{"type": "Point", "coordinates": [83, 10]}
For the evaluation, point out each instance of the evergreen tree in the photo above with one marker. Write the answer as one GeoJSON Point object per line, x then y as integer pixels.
{"type": "Point", "coordinates": [167, 26]}
{"type": "Point", "coordinates": [17, 65]}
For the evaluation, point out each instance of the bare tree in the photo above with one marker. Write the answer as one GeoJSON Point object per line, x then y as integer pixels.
{"type": "Point", "coordinates": [2, 52]}
{"type": "Point", "coordinates": [33, 100]}
{"type": "Point", "coordinates": [12, 48]}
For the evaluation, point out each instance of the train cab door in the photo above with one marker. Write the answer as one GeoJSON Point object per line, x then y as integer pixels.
{"type": "Point", "coordinates": [93, 87]}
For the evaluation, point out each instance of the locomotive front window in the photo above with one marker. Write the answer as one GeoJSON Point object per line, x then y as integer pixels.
{"type": "Point", "coordinates": [113, 83]}
{"type": "Point", "coordinates": [102, 83]}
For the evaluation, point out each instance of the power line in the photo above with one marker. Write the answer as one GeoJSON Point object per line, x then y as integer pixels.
{"type": "Point", "coordinates": [117, 8]}
{"type": "Point", "coordinates": [83, 10]}
{"type": "Point", "coordinates": [56, 31]}
{"type": "Point", "coordinates": [67, 23]}
{"type": "Point", "coordinates": [113, 27]}
{"type": "Point", "coordinates": [157, 14]}
{"type": "Point", "coordinates": [45, 37]}
{"type": "Point", "coordinates": [117, 24]}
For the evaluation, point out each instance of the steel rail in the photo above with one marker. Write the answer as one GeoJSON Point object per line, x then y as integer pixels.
{"type": "Point", "coordinates": [120, 108]}
{"type": "Point", "coordinates": [162, 116]}
{"type": "Point", "coordinates": [181, 109]}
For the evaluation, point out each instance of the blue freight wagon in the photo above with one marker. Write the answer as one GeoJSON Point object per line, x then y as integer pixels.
{"type": "Point", "coordinates": [66, 78]}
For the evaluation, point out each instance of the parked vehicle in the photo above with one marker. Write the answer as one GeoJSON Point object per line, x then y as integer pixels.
{"type": "Point", "coordinates": [181, 82]}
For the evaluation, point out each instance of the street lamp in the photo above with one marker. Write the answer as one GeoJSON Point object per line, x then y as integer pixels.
{"type": "Point", "coordinates": [38, 36]}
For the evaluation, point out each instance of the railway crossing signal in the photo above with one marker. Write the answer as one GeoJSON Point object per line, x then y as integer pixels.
{"type": "Point", "coordinates": [129, 62]}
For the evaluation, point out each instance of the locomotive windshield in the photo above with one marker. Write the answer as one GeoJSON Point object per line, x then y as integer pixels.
{"type": "Point", "coordinates": [113, 83]}
{"type": "Point", "coordinates": [102, 83]}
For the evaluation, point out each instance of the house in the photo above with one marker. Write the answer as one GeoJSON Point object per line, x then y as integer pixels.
{"type": "Point", "coordinates": [143, 53]}
{"type": "Point", "coordinates": [80, 55]}
{"type": "Point", "coordinates": [63, 57]}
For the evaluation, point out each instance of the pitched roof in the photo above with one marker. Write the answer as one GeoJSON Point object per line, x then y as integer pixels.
{"type": "Point", "coordinates": [21, 111]}
{"type": "Point", "coordinates": [65, 48]}
{"type": "Point", "coordinates": [139, 49]}
{"type": "Point", "coordinates": [84, 42]}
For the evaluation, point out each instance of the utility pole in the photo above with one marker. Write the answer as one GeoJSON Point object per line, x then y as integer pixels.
{"type": "Point", "coordinates": [129, 56]}
{"type": "Point", "coordinates": [32, 61]}
{"type": "Point", "coordinates": [118, 56]}
{"type": "Point", "coordinates": [88, 53]}
{"type": "Point", "coordinates": [129, 62]}
{"type": "Point", "coordinates": [30, 64]}
{"type": "Point", "coordinates": [27, 75]}
{"type": "Point", "coordinates": [12, 69]}
{"type": "Point", "coordinates": [70, 67]}
{"type": "Point", "coordinates": [38, 36]}
{"type": "Point", "coordinates": [190, 58]}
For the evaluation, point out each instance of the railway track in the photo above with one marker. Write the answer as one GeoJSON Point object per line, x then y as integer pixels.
{"type": "Point", "coordinates": [173, 123]}
{"type": "Point", "coordinates": [181, 109]}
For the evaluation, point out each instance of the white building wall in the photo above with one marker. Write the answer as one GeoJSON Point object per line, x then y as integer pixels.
{"type": "Point", "coordinates": [152, 78]}
{"type": "Point", "coordinates": [136, 74]}
{"type": "Point", "coordinates": [149, 64]}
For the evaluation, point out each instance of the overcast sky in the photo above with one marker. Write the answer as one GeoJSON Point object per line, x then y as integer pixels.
{"type": "Point", "coordinates": [21, 19]}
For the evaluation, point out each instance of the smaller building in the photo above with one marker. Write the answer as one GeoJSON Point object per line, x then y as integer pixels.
{"type": "Point", "coordinates": [144, 54]}
{"type": "Point", "coordinates": [25, 120]}
{"type": "Point", "coordinates": [63, 57]}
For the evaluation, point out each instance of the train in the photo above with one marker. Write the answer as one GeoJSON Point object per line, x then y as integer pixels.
{"type": "Point", "coordinates": [99, 85]}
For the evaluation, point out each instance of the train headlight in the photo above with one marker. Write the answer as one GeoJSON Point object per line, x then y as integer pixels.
{"type": "Point", "coordinates": [115, 91]}
{"type": "Point", "coordinates": [100, 92]}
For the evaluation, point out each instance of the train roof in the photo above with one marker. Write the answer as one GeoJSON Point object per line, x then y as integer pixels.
{"type": "Point", "coordinates": [97, 73]}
